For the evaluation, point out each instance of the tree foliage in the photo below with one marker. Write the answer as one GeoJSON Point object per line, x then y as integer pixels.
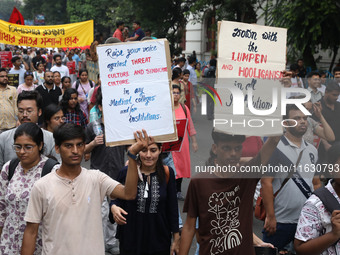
{"type": "Point", "coordinates": [99, 10]}
{"type": "Point", "coordinates": [312, 25]}
{"type": "Point", "coordinates": [7, 8]}
{"type": "Point", "coordinates": [55, 11]}
{"type": "Point", "coordinates": [165, 18]}
{"type": "Point", "coordinates": [233, 10]}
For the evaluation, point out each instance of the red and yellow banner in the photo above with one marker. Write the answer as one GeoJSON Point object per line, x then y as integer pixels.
{"type": "Point", "coordinates": [59, 36]}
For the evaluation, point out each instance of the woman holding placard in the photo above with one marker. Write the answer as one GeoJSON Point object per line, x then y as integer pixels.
{"type": "Point", "coordinates": [182, 158]}
{"type": "Point", "coordinates": [146, 223]}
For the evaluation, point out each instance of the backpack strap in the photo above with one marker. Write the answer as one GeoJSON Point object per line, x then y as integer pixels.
{"type": "Point", "coordinates": [77, 85]}
{"type": "Point", "coordinates": [91, 83]}
{"type": "Point", "coordinates": [184, 109]}
{"type": "Point", "coordinates": [12, 166]}
{"type": "Point", "coordinates": [327, 198]}
{"type": "Point", "coordinates": [49, 164]}
{"type": "Point", "coordinates": [167, 173]}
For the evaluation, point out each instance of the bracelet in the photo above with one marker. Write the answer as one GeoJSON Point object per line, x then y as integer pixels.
{"type": "Point", "coordinates": [132, 156]}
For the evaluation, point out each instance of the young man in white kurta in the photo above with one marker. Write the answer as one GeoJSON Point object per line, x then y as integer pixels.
{"type": "Point", "coordinates": [67, 202]}
{"type": "Point", "coordinates": [70, 211]}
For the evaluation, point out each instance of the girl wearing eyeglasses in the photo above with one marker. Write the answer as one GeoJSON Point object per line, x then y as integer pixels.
{"type": "Point", "coordinates": [28, 84]}
{"type": "Point", "coordinates": [15, 191]}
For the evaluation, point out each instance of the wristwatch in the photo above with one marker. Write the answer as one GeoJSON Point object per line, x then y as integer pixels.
{"type": "Point", "coordinates": [130, 155]}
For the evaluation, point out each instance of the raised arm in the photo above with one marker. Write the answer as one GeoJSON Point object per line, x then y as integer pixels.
{"type": "Point", "coordinates": [129, 191]}
{"type": "Point", "coordinates": [325, 132]}
{"type": "Point", "coordinates": [268, 148]}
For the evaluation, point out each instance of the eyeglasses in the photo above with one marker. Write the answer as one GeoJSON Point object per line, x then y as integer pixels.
{"type": "Point", "coordinates": [28, 111]}
{"type": "Point", "coordinates": [3, 76]}
{"type": "Point", "coordinates": [27, 148]}
{"type": "Point", "coordinates": [60, 118]}
{"type": "Point", "coordinates": [176, 93]}
{"type": "Point", "coordinates": [29, 73]}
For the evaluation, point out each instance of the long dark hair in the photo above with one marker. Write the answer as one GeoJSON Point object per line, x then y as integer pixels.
{"type": "Point", "coordinates": [176, 73]}
{"type": "Point", "coordinates": [66, 97]}
{"type": "Point", "coordinates": [82, 71]}
{"type": "Point", "coordinates": [49, 111]}
{"type": "Point", "coordinates": [160, 171]}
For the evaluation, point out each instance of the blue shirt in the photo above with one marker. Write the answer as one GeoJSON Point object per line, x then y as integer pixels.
{"type": "Point", "coordinates": [140, 34]}
{"type": "Point", "coordinates": [76, 58]}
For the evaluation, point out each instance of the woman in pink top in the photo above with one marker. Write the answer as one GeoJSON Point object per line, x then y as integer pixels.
{"type": "Point", "coordinates": [83, 88]}
{"type": "Point", "coordinates": [28, 85]}
{"type": "Point", "coordinates": [182, 158]}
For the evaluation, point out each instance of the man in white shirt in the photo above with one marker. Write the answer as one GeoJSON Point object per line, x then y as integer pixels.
{"type": "Point", "coordinates": [181, 63]}
{"type": "Point", "coordinates": [193, 76]}
{"type": "Point", "coordinates": [67, 201]}
{"type": "Point", "coordinates": [63, 70]}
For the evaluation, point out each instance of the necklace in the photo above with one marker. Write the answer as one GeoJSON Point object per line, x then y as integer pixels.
{"type": "Point", "coordinates": [146, 188]}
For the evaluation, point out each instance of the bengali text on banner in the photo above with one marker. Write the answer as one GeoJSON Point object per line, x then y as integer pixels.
{"type": "Point", "coordinates": [58, 36]}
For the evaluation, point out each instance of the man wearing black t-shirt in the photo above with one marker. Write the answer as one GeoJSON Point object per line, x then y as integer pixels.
{"type": "Point", "coordinates": [49, 92]}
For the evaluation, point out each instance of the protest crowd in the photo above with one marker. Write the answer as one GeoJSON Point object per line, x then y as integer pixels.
{"type": "Point", "coordinates": [51, 117]}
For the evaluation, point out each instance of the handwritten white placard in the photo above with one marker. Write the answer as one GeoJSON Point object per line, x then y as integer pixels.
{"type": "Point", "coordinates": [136, 90]}
{"type": "Point", "coordinates": [251, 58]}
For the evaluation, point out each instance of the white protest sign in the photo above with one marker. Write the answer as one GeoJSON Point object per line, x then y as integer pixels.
{"type": "Point", "coordinates": [135, 81]}
{"type": "Point", "coordinates": [251, 59]}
